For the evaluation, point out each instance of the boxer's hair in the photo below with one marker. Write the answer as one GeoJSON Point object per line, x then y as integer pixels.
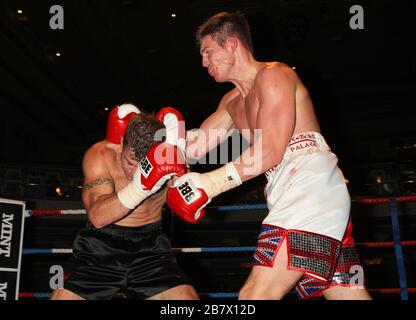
{"type": "Point", "coordinates": [224, 25]}
{"type": "Point", "coordinates": [141, 133]}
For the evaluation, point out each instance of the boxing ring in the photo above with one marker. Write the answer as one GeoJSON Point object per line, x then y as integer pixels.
{"type": "Point", "coordinates": [397, 244]}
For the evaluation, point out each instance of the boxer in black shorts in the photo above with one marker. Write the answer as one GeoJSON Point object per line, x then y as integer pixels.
{"type": "Point", "coordinates": [123, 249]}
{"type": "Point", "coordinates": [135, 260]}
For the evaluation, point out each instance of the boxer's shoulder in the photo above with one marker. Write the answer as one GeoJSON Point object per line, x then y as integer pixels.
{"type": "Point", "coordinates": [95, 150]}
{"type": "Point", "coordinates": [101, 153]}
{"type": "Point", "coordinates": [272, 71]}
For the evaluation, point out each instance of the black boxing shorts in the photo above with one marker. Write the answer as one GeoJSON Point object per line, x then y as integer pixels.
{"type": "Point", "coordinates": [137, 261]}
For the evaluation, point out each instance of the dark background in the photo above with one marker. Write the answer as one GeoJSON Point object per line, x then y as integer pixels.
{"type": "Point", "coordinates": [112, 51]}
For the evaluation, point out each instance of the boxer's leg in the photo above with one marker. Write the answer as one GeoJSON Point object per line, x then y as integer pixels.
{"type": "Point", "coordinates": [348, 258]}
{"type": "Point", "coordinates": [265, 283]}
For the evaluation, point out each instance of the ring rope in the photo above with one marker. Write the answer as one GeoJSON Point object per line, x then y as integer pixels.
{"type": "Point", "coordinates": [242, 207]}
{"type": "Point", "coordinates": [36, 295]}
{"type": "Point", "coordinates": [46, 251]}
{"type": "Point", "coordinates": [385, 200]}
{"type": "Point", "coordinates": [49, 212]}
{"type": "Point", "coordinates": [409, 243]}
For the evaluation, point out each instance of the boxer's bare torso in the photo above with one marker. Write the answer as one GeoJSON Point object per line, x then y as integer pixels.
{"type": "Point", "coordinates": [272, 101]}
{"type": "Point", "coordinates": [107, 169]}
{"type": "Point", "coordinates": [244, 110]}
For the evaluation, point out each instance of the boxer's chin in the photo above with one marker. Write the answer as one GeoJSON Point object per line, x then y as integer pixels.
{"type": "Point", "coordinates": [218, 79]}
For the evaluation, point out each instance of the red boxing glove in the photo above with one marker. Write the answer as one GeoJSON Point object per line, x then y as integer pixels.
{"type": "Point", "coordinates": [193, 191]}
{"type": "Point", "coordinates": [162, 161]}
{"type": "Point", "coordinates": [187, 198]}
{"type": "Point", "coordinates": [118, 119]}
{"type": "Point", "coordinates": [175, 126]}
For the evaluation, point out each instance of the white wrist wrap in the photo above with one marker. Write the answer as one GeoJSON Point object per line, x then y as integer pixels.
{"type": "Point", "coordinates": [221, 180]}
{"type": "Point", "coordinates": [130, 196]}
{"type": "Point", "coordinates": [232, 174]}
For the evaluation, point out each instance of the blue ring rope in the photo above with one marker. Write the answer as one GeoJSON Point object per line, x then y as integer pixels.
{"type": "Point", "coordinates": [37, 251]}
{"type": "Point", "coordinates": [221, 295]}
{"type": "Point", "coordinates": [243, 207]}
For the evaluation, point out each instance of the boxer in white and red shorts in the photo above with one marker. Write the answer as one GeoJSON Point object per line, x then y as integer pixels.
{"type": "Point", "coordinates": [309, 206]}
{"type": "Point", "coordinates": [307, 195]}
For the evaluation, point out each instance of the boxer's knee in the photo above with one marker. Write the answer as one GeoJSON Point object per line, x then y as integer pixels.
{"type": "Point", "coordinates": [63, 294]}
{"type": "Point", "coordinates": [346, 293]}
{"type": "Point", "coordinates": [186, 292]}
{"type": "Point", "coordinates": [181, 292]}
{"type": "Point", "coordinates": [251, 291]}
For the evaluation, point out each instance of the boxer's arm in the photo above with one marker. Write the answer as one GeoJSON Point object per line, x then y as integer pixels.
{"type": "Point", "coordinates": [98, 194]}
{"type": "Point", "coordinates": [276, 119]}
{"type": "Point", "coordinates": [276, 91]}
{"type": "Point", "coordinates": [212, 132]}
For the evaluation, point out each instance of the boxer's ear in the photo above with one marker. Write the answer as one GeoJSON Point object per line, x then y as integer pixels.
{"type": "Point", "coordinates": [232, 44]}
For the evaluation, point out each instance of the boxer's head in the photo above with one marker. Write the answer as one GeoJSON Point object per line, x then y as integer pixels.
{"type": "Point", "coordinates": [220, 39]}
{"type": "Point", "coordinates": [138, 138]}
{"type": "Point", "coordinates": [224, 25]}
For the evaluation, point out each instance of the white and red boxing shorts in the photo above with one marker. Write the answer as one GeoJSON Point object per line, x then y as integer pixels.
{"type": "Point", "coordinates": [309, 206]}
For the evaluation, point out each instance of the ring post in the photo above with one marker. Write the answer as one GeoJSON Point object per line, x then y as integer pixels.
{"type": "Point", "coordinates": [404, 294]}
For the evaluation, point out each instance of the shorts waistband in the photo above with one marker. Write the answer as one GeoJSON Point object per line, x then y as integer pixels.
{"type": "Point", "coordinates": [302, 142]}
{"type": "Point", "coordinates": [306, 141]}
{"type": "Point", "coordinates": [116, 230]}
